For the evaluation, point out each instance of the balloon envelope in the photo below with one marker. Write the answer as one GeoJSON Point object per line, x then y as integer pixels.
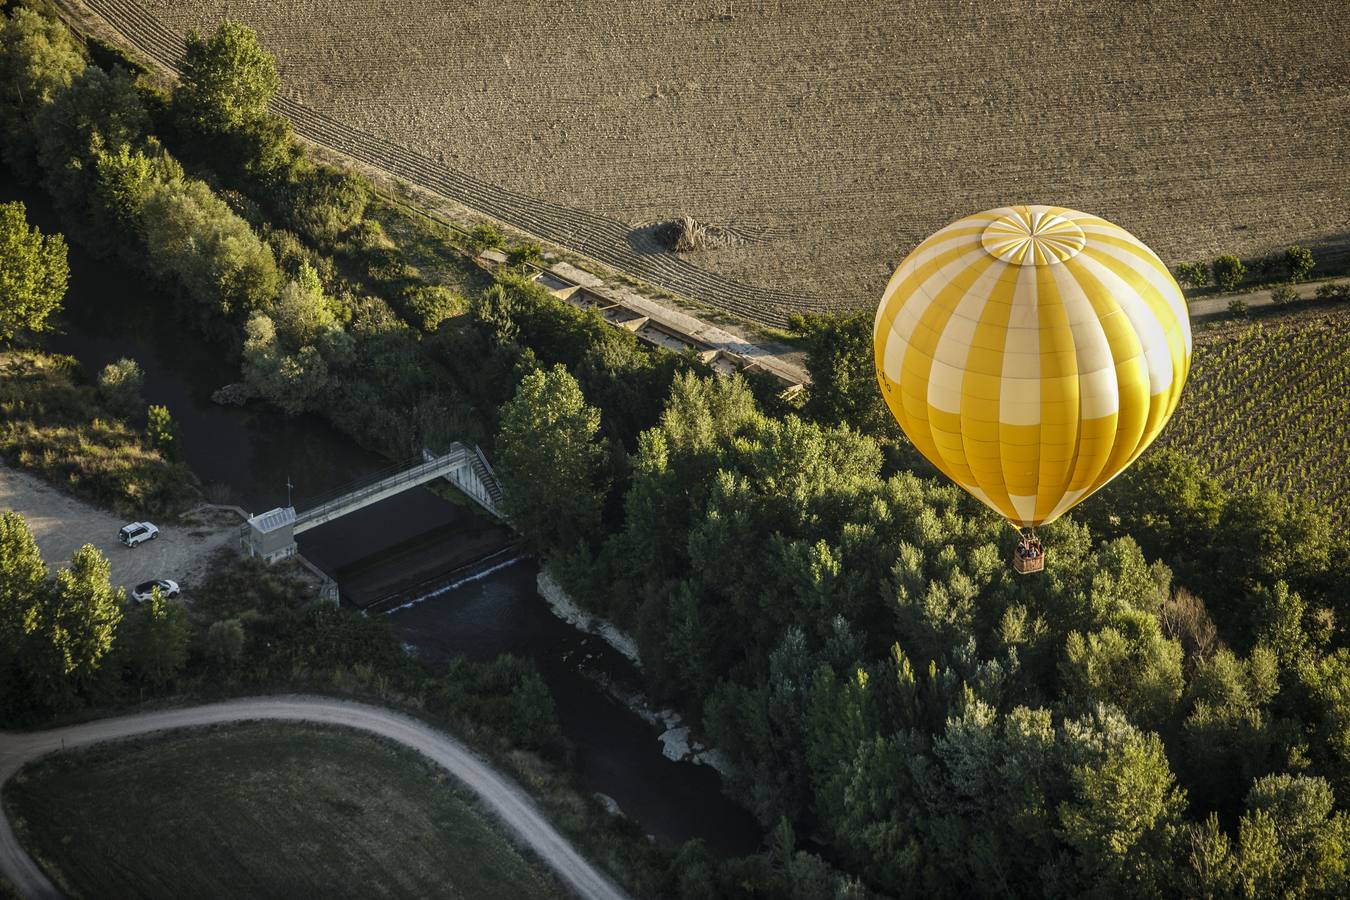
{"type": "Point", "coordinates": [1032, 353]}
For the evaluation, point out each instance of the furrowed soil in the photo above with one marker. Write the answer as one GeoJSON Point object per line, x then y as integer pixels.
{"type": "Point", "coordinates": [263, 810]}
{"type": "Point", "coordinates": [826, 140]}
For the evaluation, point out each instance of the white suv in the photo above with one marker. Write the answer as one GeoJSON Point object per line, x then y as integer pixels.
{"type": "Point", "coordinates": [137, 532]}
{"type": "Point", "coordinates": [168, 588]}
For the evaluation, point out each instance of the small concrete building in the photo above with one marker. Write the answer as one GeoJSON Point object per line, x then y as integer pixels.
{"type": "Point", "coordinates": [271, 535]}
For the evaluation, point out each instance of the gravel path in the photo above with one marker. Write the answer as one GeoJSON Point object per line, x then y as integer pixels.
{"type": "Point", "coordinates": [61, 524]}
{"type": "Point", "coordinates": [506, 800]}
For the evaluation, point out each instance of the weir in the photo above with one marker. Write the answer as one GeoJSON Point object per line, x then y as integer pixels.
{"type": "Point", "coordinates": [271, 535]}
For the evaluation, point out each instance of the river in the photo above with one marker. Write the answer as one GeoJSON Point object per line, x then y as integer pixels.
{"type": "Point", "coordinates": [247, 456]}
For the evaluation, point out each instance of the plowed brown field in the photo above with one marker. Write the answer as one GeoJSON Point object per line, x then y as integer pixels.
{"type": "Point", "coordinates": [831, 137]}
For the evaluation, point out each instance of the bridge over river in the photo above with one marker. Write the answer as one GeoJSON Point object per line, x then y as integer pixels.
{"type": "Point", "coordinates": [271, 535]}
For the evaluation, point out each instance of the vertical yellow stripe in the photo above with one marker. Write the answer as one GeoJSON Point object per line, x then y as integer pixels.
{"type": "Point", "coordinates": [1121, 431]}
{"type": "Point", "coordinates": [980, 428]}
{"type": "Point", "coordinates": [1059, 396]}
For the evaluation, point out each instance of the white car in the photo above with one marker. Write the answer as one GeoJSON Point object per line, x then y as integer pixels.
{"type": "Point", "coordinates": [144, 590]}
{"type": "Point", "coordinates": [137, 532]}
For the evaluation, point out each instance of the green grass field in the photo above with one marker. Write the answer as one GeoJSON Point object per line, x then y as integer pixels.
{"type": "Point", "coordinates": [263, 811]}
{"type": "Point", "coordinates": [1267, 405]}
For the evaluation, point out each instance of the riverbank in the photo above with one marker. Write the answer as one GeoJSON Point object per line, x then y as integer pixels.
{"type": "Point", "coordinates": [678, 742]}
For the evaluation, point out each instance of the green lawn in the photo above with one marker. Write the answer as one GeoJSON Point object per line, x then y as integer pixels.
{"type": "Point", "coordinates": [263, 810]}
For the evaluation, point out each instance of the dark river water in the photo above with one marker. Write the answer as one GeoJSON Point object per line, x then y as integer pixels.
{"type": "Point", "coordinates": [246, 457]}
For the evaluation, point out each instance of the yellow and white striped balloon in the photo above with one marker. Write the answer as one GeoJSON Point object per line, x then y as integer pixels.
{"type": "Point", "coordinates": [1031, 353]}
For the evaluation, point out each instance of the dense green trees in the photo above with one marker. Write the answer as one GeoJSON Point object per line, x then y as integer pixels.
{"type": "Point", "coordinates": [33, 273]}
{"type": "Point", "coordinates": [843, 371]}
{"type": "Point", "coordinates": [56, 634]}
{"type": "Point", "coordinates": [856, 644]}
{"type": "Point", "coordinates": [38, 58]}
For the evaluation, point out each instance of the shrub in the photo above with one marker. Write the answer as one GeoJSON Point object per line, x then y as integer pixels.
{"type": "Point", "coordinates": [225, 642]}
{"type": "Point", "coordinates": [1300, 261]}
{"type": "Point", "coordinates": [1238, 308]}
{"type": "Point", "coordinates": [525, 253]}
{"type": "Point", "coordinates": [119, 386]}
{"type": "Point", "coordinates": [426, 306]}
{"type": "Point", "coordinates": [506, 694]}
{"type": "Point", "coordinates": [484, 237]}
{"type": "Point", "coordinates": [1194, 274]}
{"type": "Point", "coordinates": [1340, 290]}
{"type": "Point", "coordinates": [322, 203]}
{"type": "Point", "coordinates": [1282, 294]}
{"type": "Point", "coordinates": [1269, 267]}
{"type": "Point", "coordinates": [1228, 272]}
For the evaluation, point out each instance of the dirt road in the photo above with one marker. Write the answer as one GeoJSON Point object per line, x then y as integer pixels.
{"type": "Point", "coordinates": [498, 794]}
{"type": "Point", "coordinates": [1214, 306]}
{"type": "Point", "coordinates": [61, 524]}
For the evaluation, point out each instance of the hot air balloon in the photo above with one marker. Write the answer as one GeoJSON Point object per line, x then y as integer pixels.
{"type": "Point", "coordinates": [1031, 353]}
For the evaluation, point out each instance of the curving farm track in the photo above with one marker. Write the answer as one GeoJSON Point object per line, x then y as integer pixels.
{"type": "Point", "coordinates": [502, 797]}
{"type": "Point", "coordinates": [609, 241]}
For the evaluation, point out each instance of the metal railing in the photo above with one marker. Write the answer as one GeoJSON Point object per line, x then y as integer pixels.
{"type": "Point", "coordinates": [384, 481]}
{"type": "Point", "coordinates": [316, 500]}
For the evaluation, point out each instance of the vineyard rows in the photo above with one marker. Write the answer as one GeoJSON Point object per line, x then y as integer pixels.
{"type": "Point", "coordinates": [611, 242]}
{"type": "Point", "coordinates": [834, 137]}
{"type": "Point", "coordinates": [1268, 407]}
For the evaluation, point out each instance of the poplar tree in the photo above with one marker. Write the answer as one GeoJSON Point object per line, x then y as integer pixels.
{"type": "Point", "coordinates": [33, 273]}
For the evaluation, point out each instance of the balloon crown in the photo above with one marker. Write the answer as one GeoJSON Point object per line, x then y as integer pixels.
{"type": "Point", "coordinates": [1033, 236]}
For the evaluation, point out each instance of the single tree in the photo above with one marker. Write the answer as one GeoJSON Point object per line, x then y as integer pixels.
{"type": "Point", "coordinates": [38, 59]}
{"type": "Point", "coordinates": [33, 273]}
{"type": "Point", "coordinates": [226, 80]}
{"type": "Point", "coordinates": [1292, 842]}
{"type": "Point", "coordinates": [1300, 261]}
{"type": "Point", "coordinates": [840, 356]}
{"type": "Point", "coordinates": [1129, 664]}
{"type": "Point", "coordinates": [550, 460]}
{"type": "Point", "coordinates": [1228, 273]}
{"type": "Point", "coordinates": [1124, 810]}
{"type": "Point", "coordinates": [159, 641]}
{"type": "Point", "coordinates": [72, 632]}
{"type": "Point", "coordinates": [160, 430]}
{"type": "Point", "coordinates": [23, 581]}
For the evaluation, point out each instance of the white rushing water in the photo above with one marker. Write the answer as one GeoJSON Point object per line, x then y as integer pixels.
{"type": "Point", "coordinates": [445, 589]}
